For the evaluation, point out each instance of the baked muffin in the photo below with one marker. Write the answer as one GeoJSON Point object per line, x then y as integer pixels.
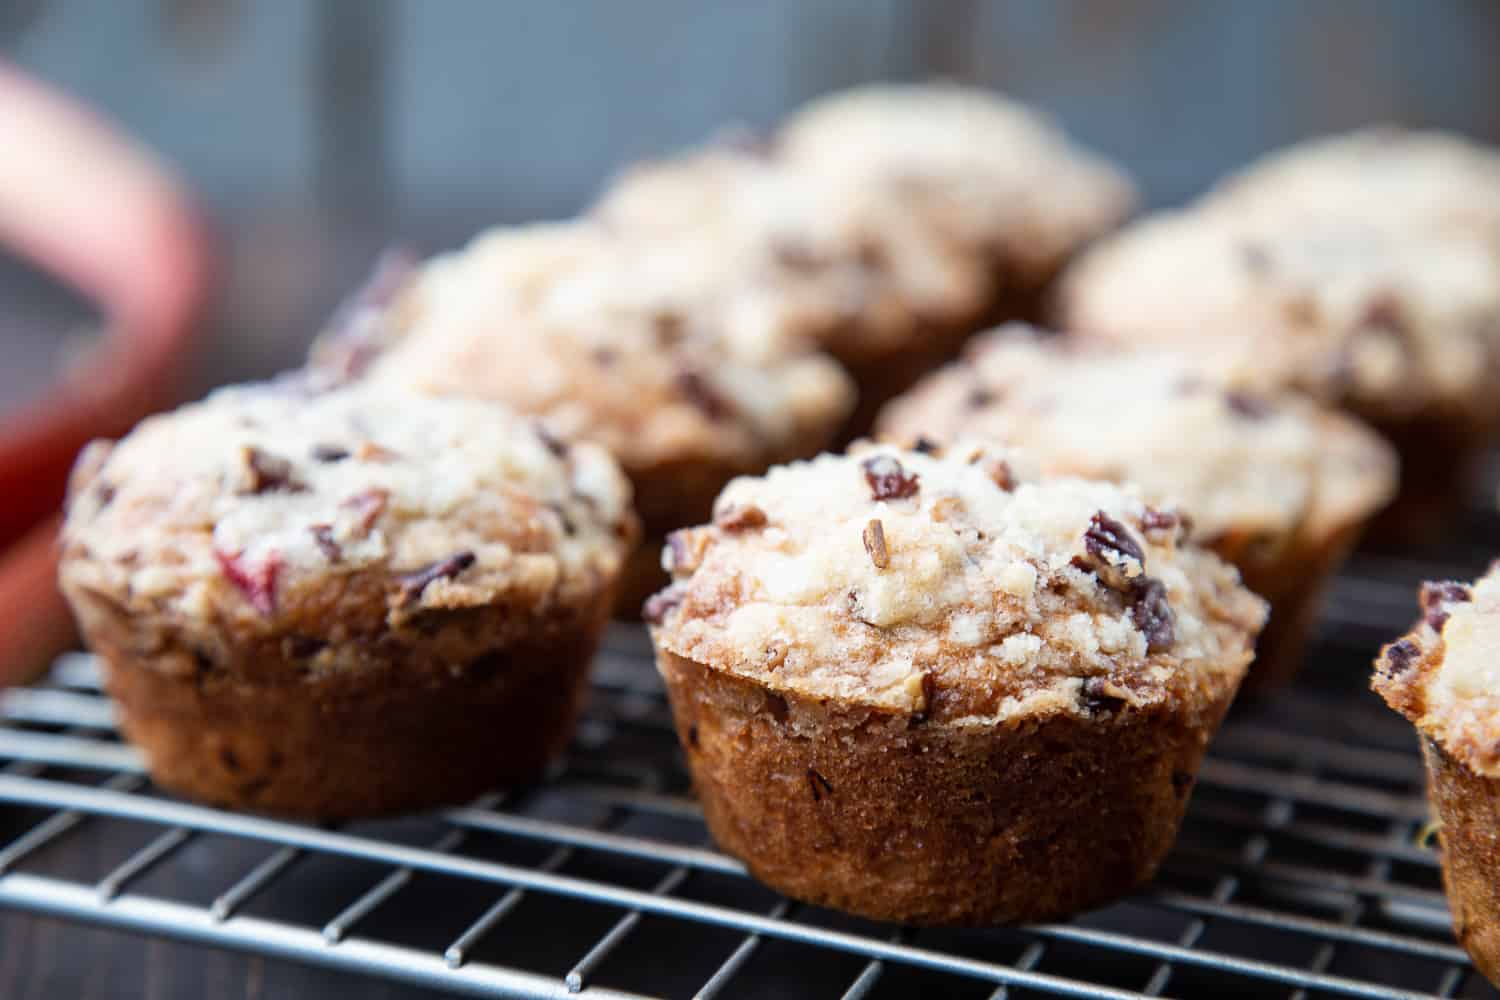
{"type": "Point", "coordinates": [924, 687]}
{"type": "Point", "coordinates": [637, 345]}
{"type": "Point", "coordinates": [347, 603]}
{"type": "Point", "coordinates": [1380, 175]}
{"type": "Point", "coordinates": [1275, 484]}
{"type": "Point", "coordinates": [873, 284]}
{"type": "Point", "coordinates": [1400, 329]}
{"type": "Point", "coordinates": [1443, 677]}
{"type": "Point", "coordinates": [996, 179]}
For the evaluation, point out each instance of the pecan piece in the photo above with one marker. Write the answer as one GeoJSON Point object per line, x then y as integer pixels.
{"type": "Point", "coordinates": [874, 537]}
{"type": "Point", "coordinates": [740, 517]}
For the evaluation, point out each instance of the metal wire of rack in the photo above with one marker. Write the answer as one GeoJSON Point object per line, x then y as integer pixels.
{"type": "Point", "coordinates": [1298, 872]}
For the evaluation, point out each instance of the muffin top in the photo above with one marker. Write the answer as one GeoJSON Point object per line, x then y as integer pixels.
{"type": "Point", "coordinates": [1444, 675]}
{"type": "Point", "coordinates": [264, 505]}
{"type": "Point", "coordinates": [1381, 175]}
{"type": "Point", "coordinates": [992, 176]}
{"type": "Point", "coordinates": [1392, 324]}
{"type": "Point", "coordinates": [952, 584]}
{"type": "Point", "coordinates": [632, 345]}
{"type": "Point", "coordinates": [863, 267]}
{"type": "Point", "coordinates": [1244, 465]}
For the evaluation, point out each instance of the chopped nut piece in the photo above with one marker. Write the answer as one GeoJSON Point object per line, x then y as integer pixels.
{"type": "Point", "coordinates": [740, 518]}
{"type": "Point", "coordinates": [367, 505]}
{"type": "Point", "coordinates": [874, 535]}
{"type": "Point", "coordinates": [369, 451]}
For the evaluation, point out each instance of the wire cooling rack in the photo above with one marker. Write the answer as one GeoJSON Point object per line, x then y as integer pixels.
{"type": "Point", "coordinates": [1298, 873]}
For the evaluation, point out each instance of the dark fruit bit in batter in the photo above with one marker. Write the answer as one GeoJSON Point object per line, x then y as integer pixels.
{"type": "Point", "coordinates": [1399, 657]}
{"type": "Point", "coordinates": [1435, 598]}
{"type": "Point", "coordinates": [323, 536]}
{"type": "Point", "coordinates": [1154, 521]}
{"type": "Point", "coordinates": [329, 453]}
{"type": "Point", "coordinates": [1150, 612]}
{"type": "Point", "coordinates": [1096, 697]}
{"type": "Point", "coordinates": [1108, 543]}
{"type": "Point", "coordinates": [980, 396]}
{"type": "Point", "coordinates": [1247, 406]}
{"type": "Point", "coordinates": [819, 785]}
{"type": "Point", "coordinates": [413, 584]}
{"type": "Point", "coordinates": [925, 446]}
{"type": "Point", "coordinates": [267, 473]}
{"type": "Point", "coordinates": [257, 583]}
{"type": "Point", "coordinates": [888, 479]}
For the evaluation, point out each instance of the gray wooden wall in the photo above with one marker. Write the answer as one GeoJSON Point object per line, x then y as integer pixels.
{"type": "Point", "coordinates": [317, 131]}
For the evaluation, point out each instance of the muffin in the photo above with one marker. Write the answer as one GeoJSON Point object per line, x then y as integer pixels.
{"type": "Point", "coordinates": [1276, 485]}
{"type": "Point", "coordinates": [348, 603]}
{"type": "Point", "coordinates": [873, 284]}
{"type": "Point", "coordinates": [1442, 676]}
{"type": "Point", "coordinates": [1400, 329]}
{"type": "Point", "coordinates": [637, 345]}
{"type": "Point", "coordinates": [923, 686]}
{"type": "Point", "coordinates": [999, 181]}
{"type": "Point", "coordinates": [1407, 179]}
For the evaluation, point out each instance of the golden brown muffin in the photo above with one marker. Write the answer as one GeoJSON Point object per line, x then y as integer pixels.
{"type": "Point", "coordinates": [687, 374]}
{"type": "Point", "coordinates": [869, 280]}
{"type": "Point", "coordinates": [343, 603]}
{"type": "Point", "coordinates": [999, 181]}
{"type": "Point", "coordinates": [1400, 328]}
{"type": "Point", "coordinates": [1444, 676]}
{"type": "Point", "coordinates": [1274, 483]}
{"type": "Point", "coordinates": [920, 686]}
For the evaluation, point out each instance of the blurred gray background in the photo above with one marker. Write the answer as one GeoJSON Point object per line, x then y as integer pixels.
{"type": "Point", "coordinates": [317, 132]}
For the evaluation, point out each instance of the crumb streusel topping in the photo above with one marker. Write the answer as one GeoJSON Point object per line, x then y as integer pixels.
{"type": "Point", "coordinates": [239, 507]}
{"type": "Point", "coordinates": [1395, 323]}
{"type": "Point", "coordinates": [1444, 675]}
{"type": "Point", "coordinates": [951, 582]}
{"type": "Point", "coordinates": [988, 173]}
{"type": "Point", "coordinates": [638, 346]}
{"type": "Point", "coordinates": [1381, 175]}
{"type": "Point", "coordinates": [865, 270]}
{"type": "Point", "coordinates": [1268, 465]}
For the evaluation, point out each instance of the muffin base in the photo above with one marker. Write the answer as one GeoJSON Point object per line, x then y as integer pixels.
{"type": "Point", "coordinates": [1468, 806]}
{"type": "Point", "coordinates": [1440, 458]}
{"type": "Point", "coordinates": [883, 376]}
{"type": "Point", "coordinates": [1294, 583]}
{"type": "Point", "coordinates": [932, 823]}
{"type": "Point", "coordinates": [405, 735]}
